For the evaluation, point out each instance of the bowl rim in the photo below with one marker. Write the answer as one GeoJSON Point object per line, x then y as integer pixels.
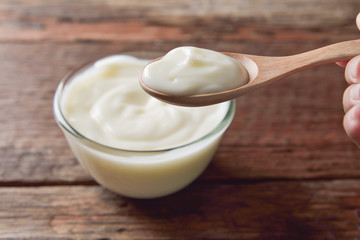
{"type": "Point", "coordinates": [64, 124]}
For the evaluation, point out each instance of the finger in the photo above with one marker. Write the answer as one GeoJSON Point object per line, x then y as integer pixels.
{"type": "Point", "coordinates": [352, 71]}
{"type": "Point", "coordinates": [352, 124]}
{"type": "Point", "coordinates": [358, 21]}
{"type": "Point", "coordinates": [351, 96]}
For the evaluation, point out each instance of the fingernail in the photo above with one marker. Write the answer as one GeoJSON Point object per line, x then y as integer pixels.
{"type": "Point", "coordinates": [353, 70]}
{"type": "Point", "coordinates": [355, 92]}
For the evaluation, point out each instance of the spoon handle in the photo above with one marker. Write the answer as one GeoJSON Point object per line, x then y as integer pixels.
{"type": "Point", "coordinates": [275, 68]}
{"type": "Point", "coordinates": [331, 53]}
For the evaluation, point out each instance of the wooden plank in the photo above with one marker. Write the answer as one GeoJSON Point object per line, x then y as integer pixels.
{"type": "Point", "coordinates": [299, 131]}
{"type": "Point", "coordinates": [292, 129]}
{"type": "Point", "coordinates": [285, 168]}
{"type": "Point", "coordinates": [258, 210]}
{"type": "Point", "coordinates": [149, 21]}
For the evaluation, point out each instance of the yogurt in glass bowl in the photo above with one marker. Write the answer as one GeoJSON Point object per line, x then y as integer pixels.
{"type": "Point", "coordinates": [128, 141]}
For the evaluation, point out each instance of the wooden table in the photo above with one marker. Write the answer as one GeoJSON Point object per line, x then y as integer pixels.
{"type": "Point", "coordinates": [285, 168]}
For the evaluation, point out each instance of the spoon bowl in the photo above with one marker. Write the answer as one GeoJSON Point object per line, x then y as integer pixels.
{"type": "Point", "coordinates": [262, 71]}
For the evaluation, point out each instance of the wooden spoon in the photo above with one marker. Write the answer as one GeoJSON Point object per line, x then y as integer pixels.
{"type": "Point", "coordinates": [264, 70]}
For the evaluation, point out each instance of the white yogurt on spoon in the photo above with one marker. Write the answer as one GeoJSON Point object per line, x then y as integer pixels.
{"type": "Point", "coordinates": [190, 71]}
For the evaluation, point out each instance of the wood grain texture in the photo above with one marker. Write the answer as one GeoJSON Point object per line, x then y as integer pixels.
{"type": "Point", "coordinates": [258, 210]}
{"type": "Point", "coordinates": [299, 132]}
{"type": "Point", "coordinates": [164, 20]}
{"type": "Point", "coordinates": [284, 170]}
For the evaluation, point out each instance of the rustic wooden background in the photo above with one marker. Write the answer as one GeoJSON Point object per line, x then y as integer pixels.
{"type": "Point", "coordinates": [285, 168]}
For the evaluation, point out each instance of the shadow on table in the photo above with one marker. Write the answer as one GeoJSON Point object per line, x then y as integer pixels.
{"type": "Point", "coordinates": [242, 210]}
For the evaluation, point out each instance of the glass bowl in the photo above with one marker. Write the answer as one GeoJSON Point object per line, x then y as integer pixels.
{"type": "Point", "coordinates": [140, 174]}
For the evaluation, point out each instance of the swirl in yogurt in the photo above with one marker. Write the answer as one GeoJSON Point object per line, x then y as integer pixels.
{"type": "Point", "coordinates": [106, 104]}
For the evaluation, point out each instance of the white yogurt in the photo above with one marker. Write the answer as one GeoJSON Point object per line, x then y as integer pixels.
{"type": "Point", "coordinates": [102, 110]}
{"type": "Point", "coordinates": [188, 71]}
{"type": "Point", "coordinates": [107, 104]}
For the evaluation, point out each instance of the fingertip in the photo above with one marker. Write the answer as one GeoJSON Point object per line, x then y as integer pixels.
{"type": "Point", "coordinates": [352, 71]}
{"type": "Point", "coordinates": [358, 21]}
{"type": "Point", "coordinates": [352, 124]}
{"type": "Point", "coordinates": [347, 103]}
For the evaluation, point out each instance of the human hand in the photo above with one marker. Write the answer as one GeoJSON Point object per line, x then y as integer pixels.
{"type": "Point", "coordinates": [351, 98]}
